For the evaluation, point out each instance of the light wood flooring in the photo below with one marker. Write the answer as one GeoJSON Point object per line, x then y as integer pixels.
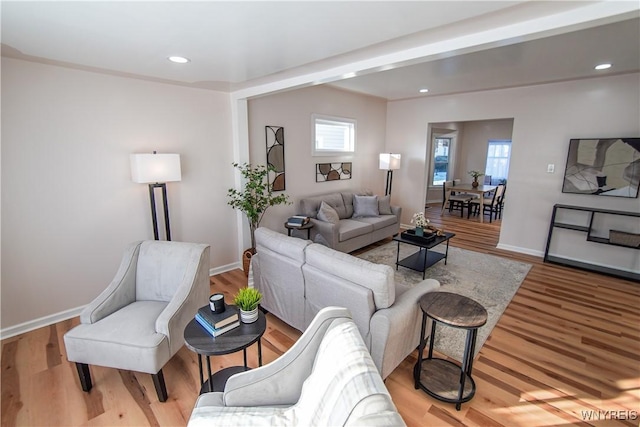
{"type": "Point", "coordinates": [565, 352]}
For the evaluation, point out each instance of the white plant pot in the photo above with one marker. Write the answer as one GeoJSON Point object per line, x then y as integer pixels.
{"type": "Point", "coordinates": [249, 316]}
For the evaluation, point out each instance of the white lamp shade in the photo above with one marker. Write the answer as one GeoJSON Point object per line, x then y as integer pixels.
{"type": "Point", "coordinates": [149, 168]}
{"type": "Point", "coordinates": [389, 161]}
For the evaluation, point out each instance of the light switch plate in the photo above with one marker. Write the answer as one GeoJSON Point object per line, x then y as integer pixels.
{"type": "Point", "coordinates": [551, 167]}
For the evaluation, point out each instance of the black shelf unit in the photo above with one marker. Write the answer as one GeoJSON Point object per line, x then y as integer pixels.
{"type": "Point", "coordinates": [592, 212]}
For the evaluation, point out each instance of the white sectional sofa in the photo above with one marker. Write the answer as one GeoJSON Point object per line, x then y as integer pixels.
{"type": "Point", "coordinates": [298, 278]}
{"type": "Point", "coordinates": [349, 232]}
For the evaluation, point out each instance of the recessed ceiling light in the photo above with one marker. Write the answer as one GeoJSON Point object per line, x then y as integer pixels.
{"type": "Point", "coordinates": [424, 90]}
{"type": "Point", "coordinates": [603, 66]}
{"type": "Point", "coordinates": [179, 59]}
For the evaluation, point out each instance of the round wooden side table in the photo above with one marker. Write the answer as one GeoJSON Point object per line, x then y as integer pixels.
{"type": "Point", "coordinates": [440, 378]}
{"type": "Point", "coordinates": [200, 341]}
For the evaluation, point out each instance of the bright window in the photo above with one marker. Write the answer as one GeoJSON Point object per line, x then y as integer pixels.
{"type": "Point", "coordinates": [498, 155]}
{"type": "Point", "coordinates": [333, 136]}
{"type": "Point", "coordinates": [440, 160]}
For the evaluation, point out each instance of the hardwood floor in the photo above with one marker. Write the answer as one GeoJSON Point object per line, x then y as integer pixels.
{"type": "Point", "coordinates": [565, 352]}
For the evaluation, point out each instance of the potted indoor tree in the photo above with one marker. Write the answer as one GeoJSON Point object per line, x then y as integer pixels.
{"type": "Point", "coordinates": [254, 200]}
{"type": "Point", "coordinates": [247, 300]}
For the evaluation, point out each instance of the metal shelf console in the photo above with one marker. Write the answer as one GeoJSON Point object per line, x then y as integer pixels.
{"type": "Point", "coordinates": [589, 238]}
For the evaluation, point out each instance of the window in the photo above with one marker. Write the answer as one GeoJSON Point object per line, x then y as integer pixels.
{"type": "Point", "coordinates": [441, 160]}
{"type": "Point", "coordinates": [498, 155]}
{"type": "Point", "coordinates": [333, 136]}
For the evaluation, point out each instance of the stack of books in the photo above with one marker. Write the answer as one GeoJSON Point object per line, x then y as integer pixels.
{"type": "Point", "coordinates": [218, 323]}
{"type": "Point", "coordinates": [297, 221]}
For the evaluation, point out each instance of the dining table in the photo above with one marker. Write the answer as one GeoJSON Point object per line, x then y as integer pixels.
{"type": "Point", "coordinates": [480, 190]}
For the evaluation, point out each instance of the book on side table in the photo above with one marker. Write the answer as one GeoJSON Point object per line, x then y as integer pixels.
{"type": "Point", "coordinates": [297, 221]}
{"type": "Point", "coordinates": [218, 323]}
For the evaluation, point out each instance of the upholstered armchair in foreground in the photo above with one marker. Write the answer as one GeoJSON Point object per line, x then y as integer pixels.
{"type": "Point", "coordinates": [137, 323]}
{"type": "Point", "coordinates": [327, 378]}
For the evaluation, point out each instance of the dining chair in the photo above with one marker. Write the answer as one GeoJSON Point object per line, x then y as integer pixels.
{"type": "Point", "coordinates": [490, 205]}
{"type": "Point", "coordinates": [501, 201]}
{"type": "Point", "coordinates": [487, 180]}
{"type": "Point", "coordinates": [456, 201]}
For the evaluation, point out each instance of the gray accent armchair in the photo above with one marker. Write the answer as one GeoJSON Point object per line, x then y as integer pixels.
{"type": "Point", "coordinates": [137, 322]}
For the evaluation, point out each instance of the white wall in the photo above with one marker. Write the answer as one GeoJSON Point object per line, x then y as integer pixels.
{"type": "Point", "coordinates": [68, 204]}
{"type": "Point", "coordinates": [475, 142]}
{"type": "Point", "coordinates": [545, 118]}
{"type": "Point", "coordinates": [293, 110]}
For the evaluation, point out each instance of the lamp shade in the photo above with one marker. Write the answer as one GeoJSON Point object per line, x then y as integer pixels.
{"type": "Point", "coordinates": [389, 161]}
{"type": "Point", "coordinates": [149, 168]}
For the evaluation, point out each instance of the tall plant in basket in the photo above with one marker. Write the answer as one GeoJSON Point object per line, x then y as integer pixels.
{"type": "Point", "coordinates": [254, 199]}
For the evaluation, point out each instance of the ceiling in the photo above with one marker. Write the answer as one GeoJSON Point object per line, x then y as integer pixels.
{"type": "Point", "coordinates": [235, 45]}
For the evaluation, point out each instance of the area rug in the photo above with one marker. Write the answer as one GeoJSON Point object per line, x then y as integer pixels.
{"type": "Point", "coordinates": [491, 281]}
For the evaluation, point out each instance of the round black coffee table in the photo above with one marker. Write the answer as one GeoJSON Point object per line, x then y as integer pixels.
{"type": "Point", "coordinates": [200, 341]}
{"type": "Point", "coordinates": [440, 378]}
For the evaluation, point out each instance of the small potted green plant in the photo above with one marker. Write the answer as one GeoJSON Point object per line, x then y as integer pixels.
{"type": "Point", "coordinates": [247, 300]}
{"type": "Point", "coordinates": [475, 175]}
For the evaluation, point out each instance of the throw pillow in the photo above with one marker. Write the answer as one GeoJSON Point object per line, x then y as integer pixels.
{"type": "Point", "coordinates": [328, 214]}
{"type": "Point", "coordinates": [364, 206]}
{"type": "Point", "coordinates": [384, 205]}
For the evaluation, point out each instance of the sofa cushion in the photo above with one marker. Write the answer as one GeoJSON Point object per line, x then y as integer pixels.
{"type": "Point", "coordinates": [347, 198]}
{"type": "Point", "coordinates": [327, 213]}
{"type": "Point", "coordinates": [310, 205]}
{"type": "Point", "coordinates": [365, 206]}
{"type": "Point", "coordinates": [384, 205]}
{"type": "Point", "coordinates": [350, 228]}
{"type": "Point", "coordinates": [379, 278]}
{"type": "Point", "coordinates": [281, 244]}
{"type": "Point", "coordinates": [380, 221]}
{"type": "Point", "coordinates": [126, 339]}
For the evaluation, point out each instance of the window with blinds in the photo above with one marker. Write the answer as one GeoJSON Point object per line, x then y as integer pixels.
{"type": "Point", "coordinates": [333, 136]}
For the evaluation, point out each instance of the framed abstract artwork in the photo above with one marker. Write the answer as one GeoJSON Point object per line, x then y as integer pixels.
{"type": "Point", "coordinates": [603, 167]}
{"type": "Point", "coordinates": [333, 171]}
{"type": "Point", "coordinates": [275, 157]}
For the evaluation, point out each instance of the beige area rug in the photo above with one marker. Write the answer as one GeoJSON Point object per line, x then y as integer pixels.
{"type": "Point", "coordinates": [491, 281]}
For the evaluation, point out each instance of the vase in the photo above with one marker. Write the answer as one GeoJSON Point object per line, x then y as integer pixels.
{"type": "Point", "coordinates": [419, 231]}
{"type": "Point", "coordinates": [475, 183]}
{"type": "Point", "coordinates": [246, 260]}
{"type": "Point", "coordinates": [249, 316]}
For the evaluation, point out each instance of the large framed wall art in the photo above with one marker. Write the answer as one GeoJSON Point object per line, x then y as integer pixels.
{"type": "Point", "coordinates": [603, 167]}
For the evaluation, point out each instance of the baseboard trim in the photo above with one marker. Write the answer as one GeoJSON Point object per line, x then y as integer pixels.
{"type": "Point", "coordinates": [51, 319]}
{"type": "Point", "coordinates": [520, 250]}
{"type": "Point", "coordinates": [225, 268]}
{"type": "Point", "coordinates": [41, 322]}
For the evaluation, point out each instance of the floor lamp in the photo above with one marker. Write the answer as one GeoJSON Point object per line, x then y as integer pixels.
{"type": "Point", "coordinates": [156, 170]}
{"type": "Point", "coordinates": [389, 162]}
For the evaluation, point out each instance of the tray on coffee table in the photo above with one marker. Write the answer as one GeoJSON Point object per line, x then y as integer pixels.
{"type": "Point", "coordinates": [428, 237]}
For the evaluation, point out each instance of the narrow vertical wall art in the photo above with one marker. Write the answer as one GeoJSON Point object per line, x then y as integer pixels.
{"type": "Point", "coordinates": [275, 157]}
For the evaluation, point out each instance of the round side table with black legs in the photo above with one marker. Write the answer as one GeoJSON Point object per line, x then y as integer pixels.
{"type": "Point", "coordinates": [200, 341]}
{"type": "Point", "coordinates": [440, 378]}
{"type": "Point", "coordinates": [308, 226]}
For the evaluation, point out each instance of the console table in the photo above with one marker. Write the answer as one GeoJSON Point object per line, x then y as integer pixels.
{"type": "Point", "coordinates": [586, 225]}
